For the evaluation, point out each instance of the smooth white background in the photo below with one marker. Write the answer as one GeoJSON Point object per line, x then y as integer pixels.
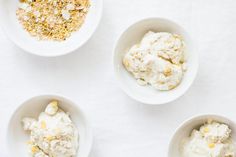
{"type": "Point", "coordinates": [123, 127]}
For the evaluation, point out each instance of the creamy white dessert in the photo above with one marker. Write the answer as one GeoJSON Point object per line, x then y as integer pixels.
{"type": "Point", "coordinates": [211, 140]}
{"type": "Point", "coordinates": [157, 60]}
{"type": "Point", "coordinates": [53, 134]}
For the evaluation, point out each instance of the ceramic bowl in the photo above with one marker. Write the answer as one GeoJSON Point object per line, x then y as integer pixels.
{"type": "Point", "coordinates": [185, 129]}
{"type": "Point", "coordinates": [17, 138]}
{"type": "Point", "coordinates": [133, 35]}
{"type": "Point", "coordinates": [24, 40]}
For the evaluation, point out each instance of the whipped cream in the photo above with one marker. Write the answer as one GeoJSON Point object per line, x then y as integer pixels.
{"type": "Point", "coordinates": [53, 134]}
{"type": "Point", "coordinates": [211, 140]}
{"type": "Point", "coordinates": [157, 60]}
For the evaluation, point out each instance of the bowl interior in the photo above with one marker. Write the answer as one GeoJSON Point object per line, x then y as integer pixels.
{"type": "Point", "coordinates": [185, 130]}
{"type": "Point", "coordinates": [17, 137]}
{"type": "Point", "coordinates": [133, 35]}
{"type": "Point", "coordinates": [22, 38]}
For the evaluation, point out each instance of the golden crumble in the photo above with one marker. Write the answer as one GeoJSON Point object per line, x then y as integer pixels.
{"type": "Point", "coordinates": [52, 19]}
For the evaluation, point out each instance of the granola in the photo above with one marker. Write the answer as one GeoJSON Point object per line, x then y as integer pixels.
{"type": "Point", "coordinates": [52, 19]}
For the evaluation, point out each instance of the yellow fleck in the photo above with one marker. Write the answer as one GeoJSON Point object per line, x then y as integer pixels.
{"type": "Point", "coordinates": [211, 145]}
{"type": "Point", "coordinates": [171, 86]}
{"type": "Point", "coordinates": [29, 142]}
{"type": "Point", "coordinates": [34, 149]}
{"type": "Point", "coordinates": [43, 125]}
{"type": "Point", "coordinates": [54, 103]}
{"type": "Point", "coordinates": [206, 130]}
{"type": "Point", "coordinates": [49, 138]}
{"type": "Point", "coordinates": [126, 63]}
{"type": "Point", "coordinates": [167, 72]}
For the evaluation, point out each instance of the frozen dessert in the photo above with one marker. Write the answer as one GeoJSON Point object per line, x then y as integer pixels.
{"type": "Point", "coordinates": [158, 60]}
{"type": "Point", "coordinates": [211, 140]}
{"type": "Point", "coordinates": [53, 134]}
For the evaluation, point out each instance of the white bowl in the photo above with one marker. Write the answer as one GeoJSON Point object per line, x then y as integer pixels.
{"type": "Point", "coordinates": [186, 128]}
{"type": "Point", "coordinates": [21, 38]}
{"type": "Point", "coordinates": [17, 138]}
{"type": "Point", "coordinates": [133, 35]}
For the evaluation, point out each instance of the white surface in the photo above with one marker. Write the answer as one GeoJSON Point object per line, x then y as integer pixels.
{"type": "Point", "coordinates": [186, 128]}
{"type": "Point", "coordinates": [132, 36]}
{"type": "Point", "coordinates": [17, 137]}
{"type": "Point", "coordinates": [20, 37]}
{"type": "Point", "coordinates": [122, 127]}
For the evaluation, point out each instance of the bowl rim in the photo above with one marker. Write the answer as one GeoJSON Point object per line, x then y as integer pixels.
{"type": "Point", "coordinates": [122, 86]}
{"type": "Point", "coordinates": [73, 103]}
{"type": "Point", "coordinates": [193, 118]}
{"type": "Point", "coordinates": [69, 51]}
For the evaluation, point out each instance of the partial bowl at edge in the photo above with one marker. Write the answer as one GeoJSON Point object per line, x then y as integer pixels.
{"type": "Point", "coordinates": [185, 129]}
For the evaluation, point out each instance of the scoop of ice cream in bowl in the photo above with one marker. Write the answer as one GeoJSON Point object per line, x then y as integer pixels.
{"type": "Point", "coordinates": [155, 61]}
{"type": "Point", "coordinates": [49, 125]}
{"type": "Point", "coordinates": [204, 136]}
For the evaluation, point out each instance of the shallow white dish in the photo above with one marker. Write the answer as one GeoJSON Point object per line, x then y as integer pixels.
{"type": "Point", "coordinates": [21, 38]}
{"type": "Point", "coordinates": [17, 138]}
{"type": "Point", "coordinates": [186, 128]}
{"type": "Point", "coordinates": [133, 35]}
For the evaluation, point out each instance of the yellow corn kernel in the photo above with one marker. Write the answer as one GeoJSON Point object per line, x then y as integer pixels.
{"type": "Point", "coordinates": [43, 125]}
{"type": "Point", "coordinates": [211, 145]}
{"type": "Point", "coordinates": [34, 149]}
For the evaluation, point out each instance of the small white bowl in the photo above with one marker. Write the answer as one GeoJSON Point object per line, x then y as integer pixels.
{"type": "Point", "coordinates": [17, 138]}
{"type": "Point", "coordinates": [24, 40]}
{"type": "Point", "coordinates": [187, 127]}
{"type": "Point", "coordinates": [133, 35]}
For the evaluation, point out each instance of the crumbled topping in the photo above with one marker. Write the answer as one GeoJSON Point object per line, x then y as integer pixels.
{"type": "Point", "coordinates": [52, 19]}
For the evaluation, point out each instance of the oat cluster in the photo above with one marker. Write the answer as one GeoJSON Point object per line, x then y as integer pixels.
{"type": "Point", "coordinates": [52, 19]}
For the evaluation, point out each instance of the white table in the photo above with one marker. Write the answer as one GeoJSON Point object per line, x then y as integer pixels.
{"type": "Point", "coordinates": [123, 127]}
